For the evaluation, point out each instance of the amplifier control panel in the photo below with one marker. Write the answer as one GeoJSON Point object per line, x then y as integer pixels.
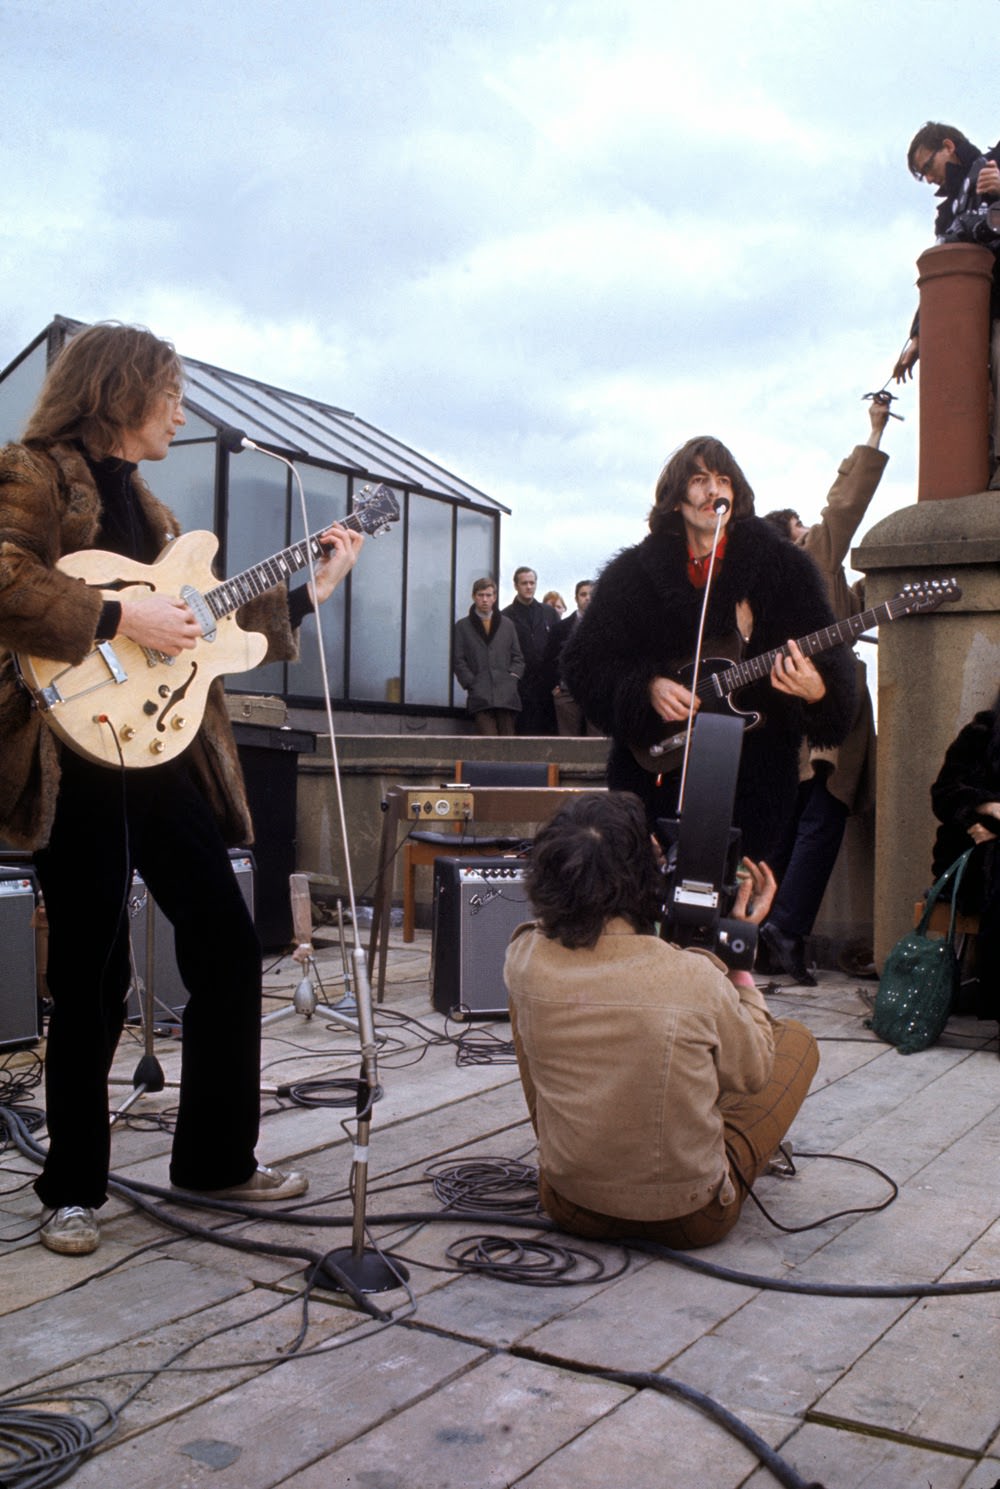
{"type": "Point", "coordinates": [514, 872]}
{"type": "Point", "coordinates": [439, 804]}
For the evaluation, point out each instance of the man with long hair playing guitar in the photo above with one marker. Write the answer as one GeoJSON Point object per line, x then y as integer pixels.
{"type": "Point", "coordinates": [624, 665]}
{"type": "Point", "coordinates": [112, 399]}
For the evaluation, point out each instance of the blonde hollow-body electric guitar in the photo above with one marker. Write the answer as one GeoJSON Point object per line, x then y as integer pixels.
{"type": "Point", "coordinates": [125, 705]}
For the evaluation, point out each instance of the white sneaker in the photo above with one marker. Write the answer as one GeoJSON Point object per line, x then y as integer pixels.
{"type": "Point", "coordinates": [71, 1230]}
{"type": "Point", "coordinates": [264, 1184]}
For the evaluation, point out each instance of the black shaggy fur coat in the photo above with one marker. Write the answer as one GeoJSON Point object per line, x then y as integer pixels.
{"type": "Point", "coordinates": [969, 777]}
{"type": "Point", "coordinates": [642, 622]}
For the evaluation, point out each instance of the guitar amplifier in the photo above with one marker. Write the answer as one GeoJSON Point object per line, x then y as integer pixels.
{"type": "Point", "coordinates": [19, 1010]}
{"type": "Point", "coordinates": [154, 964]}
{"type": "Point", "coordinates": [477, 903]}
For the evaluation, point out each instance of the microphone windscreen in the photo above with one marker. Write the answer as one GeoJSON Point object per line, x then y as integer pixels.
{"type": "Point", "coordinates": [231, 439]}
{"type": "Point", "coordinates": [720, 506]}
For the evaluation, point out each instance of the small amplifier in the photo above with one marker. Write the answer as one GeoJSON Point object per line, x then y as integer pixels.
{"type": "Point", "coordinates": [477, 904]}
{"type": "Point", "coordinates": [19, 1021]}
{"type": "Point", "coordinates": [154, 964]}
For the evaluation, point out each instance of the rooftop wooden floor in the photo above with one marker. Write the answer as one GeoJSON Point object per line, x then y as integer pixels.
{"type": "Point", "coordinates": [473, 1382]}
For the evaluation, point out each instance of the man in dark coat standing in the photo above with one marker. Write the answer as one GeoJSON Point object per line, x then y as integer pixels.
{"type": "Point", "coordinates": [534, 621]}
{"type": "Point", "coordinates": [488, 662]}
{"type": "Point", "coordinates": [642, 626]}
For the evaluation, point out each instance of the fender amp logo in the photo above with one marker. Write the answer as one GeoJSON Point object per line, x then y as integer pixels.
{"type": "Point", "coordinates": [479, 902]}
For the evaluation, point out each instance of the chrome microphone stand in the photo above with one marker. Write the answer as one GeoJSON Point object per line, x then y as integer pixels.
{"type": "Point", "coordinates": [366, 1268]}
{"type": "Point", "coordinates": [720, 507]}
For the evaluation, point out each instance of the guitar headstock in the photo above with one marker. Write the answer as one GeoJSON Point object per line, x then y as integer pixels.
{"type": "Point", "coordinates": [923, 595]}
{"type": "Point", "coordinates": [375, 509]}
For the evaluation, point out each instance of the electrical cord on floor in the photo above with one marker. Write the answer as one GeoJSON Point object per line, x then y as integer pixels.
{"type": "Point", "coordinates": [485, 1183]}
{"type": "Point", "coordinates": [42, 1444]}
{"type": "Point", "coordinates": [667, 1386]}
{"type": "Point", "coordinates": [47, 1445]}
{"type": "Point", "coordinates": [18, 1080]}
{"type": "Point", "coordinates": [537, 1263]}
{"type": "Point", "coordinates": [482, 1048]}
{"type": "Point", "coordinates": [335, 1092]}
{"type": "Point", "coordinates": [525, 1265]}
{"type": "Point", "coordinates": [788, 1171]}
{"type": "Point", "coordinates": [135, 1191]}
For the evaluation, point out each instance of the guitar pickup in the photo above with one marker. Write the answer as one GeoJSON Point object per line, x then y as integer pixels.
{"type": "Point", "coordinates": [201, 610]}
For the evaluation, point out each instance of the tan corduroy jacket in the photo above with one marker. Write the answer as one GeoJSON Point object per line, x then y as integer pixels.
{"type": "Point", "coordinates": [625, 1051]}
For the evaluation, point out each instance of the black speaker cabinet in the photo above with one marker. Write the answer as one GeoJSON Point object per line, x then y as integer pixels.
{"type": "Point", "coordinates": [477, 904]}
{"type": "Point", "coordinates": [18, 976]}
{"type": "Point", "coordinates": [154, 964]}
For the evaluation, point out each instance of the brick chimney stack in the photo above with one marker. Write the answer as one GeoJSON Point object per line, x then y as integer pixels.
{"type": "Point", "coordinates": [954, 377]}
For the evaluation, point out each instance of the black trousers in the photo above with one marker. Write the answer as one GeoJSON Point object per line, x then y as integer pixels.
{"type": "Point", "coordinates": [107, 823]}
{"type": "Point", "coordinates": [808, 857]}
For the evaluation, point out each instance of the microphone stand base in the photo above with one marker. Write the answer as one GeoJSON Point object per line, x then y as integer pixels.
{"type": "Point", "coordinates": [369, 1272]}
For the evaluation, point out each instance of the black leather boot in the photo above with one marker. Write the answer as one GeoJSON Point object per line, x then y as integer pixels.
{"type": "Point", "coordinates": [783, 954]}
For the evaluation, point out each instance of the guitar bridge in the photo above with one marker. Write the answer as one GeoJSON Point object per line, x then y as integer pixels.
{"type": "Point", "coordinates": [50, 697]}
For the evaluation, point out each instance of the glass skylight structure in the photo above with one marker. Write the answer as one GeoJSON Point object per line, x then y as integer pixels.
{"type": "Point", "coordinates": [388, 630]}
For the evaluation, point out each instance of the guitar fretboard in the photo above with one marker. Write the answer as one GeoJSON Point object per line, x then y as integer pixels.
{"type": "Point", "coordinates": [270, 572]}
{"type": "Point", "coordinates": [754, 668]}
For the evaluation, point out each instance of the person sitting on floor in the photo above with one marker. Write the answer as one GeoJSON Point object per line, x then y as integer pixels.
{"type": "Point", "coordinates": [659, 1086]}
{"type": "Point", "coordinates": [966, 801]}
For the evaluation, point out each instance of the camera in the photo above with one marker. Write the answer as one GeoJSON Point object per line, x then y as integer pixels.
{"type": "Point", "coordinates": [978, 225]}
{"type": "Point", "coordinates": [703, 850]}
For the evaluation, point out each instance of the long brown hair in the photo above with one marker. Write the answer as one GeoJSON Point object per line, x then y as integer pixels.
{"type": "Point", "coordinates": [672, 483]}
{"type": "Point", "coordinates": [103, 383]}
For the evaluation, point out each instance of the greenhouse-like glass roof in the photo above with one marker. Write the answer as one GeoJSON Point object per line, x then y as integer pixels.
{"type": "Point", "coordinates": [300, 426]}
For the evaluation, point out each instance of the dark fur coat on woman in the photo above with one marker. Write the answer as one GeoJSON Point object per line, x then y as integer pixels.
{"type": "Point", "coordinates": [642, 622]}
{"type": "Point", "coordinates": [970, 776]}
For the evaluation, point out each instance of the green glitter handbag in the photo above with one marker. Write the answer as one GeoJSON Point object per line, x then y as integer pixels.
{"type": "Point", "coordinates": [920, 977]}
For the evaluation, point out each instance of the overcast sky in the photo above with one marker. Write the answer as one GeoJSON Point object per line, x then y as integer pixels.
{"type": "Point", "coordinates": [544, 243]}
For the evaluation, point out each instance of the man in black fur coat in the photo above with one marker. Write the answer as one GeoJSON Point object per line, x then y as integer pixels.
{"type": "Point", "coordinates": [642, 625]}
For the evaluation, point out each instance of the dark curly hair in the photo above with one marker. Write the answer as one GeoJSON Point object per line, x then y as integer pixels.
{"type": "Point", "coordinates": [593, 861]}
{"type": "Point", "coordinates": [672, 483]}
{"type": "Point", "coordinates": [782, 520]}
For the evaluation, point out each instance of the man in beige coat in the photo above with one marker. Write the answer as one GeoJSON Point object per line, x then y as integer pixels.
{"type": "Point", "coordinates": [659, 1087]}
{"type": "Point", "coordinates": [837, 783]}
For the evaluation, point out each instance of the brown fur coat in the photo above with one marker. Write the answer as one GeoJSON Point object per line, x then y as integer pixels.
{"type": "Point", "coordinates": [49, 506]}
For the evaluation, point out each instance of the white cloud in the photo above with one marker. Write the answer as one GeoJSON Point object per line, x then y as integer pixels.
{"type": "Point", "coordinates": [544, 243]}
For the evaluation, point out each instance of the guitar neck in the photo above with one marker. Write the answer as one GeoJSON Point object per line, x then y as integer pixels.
{"type": "Point", "coordinates": [755, 668]}
{"type": "Point", "coordinates": [233, 593]}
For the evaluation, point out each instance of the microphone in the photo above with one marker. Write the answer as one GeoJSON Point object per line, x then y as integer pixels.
{"type": "Point", "coordinates": [720, 506]}
{"type": "Point", "coordinates": [234, 440]}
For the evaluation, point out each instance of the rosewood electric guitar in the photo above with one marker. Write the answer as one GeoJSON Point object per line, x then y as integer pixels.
{"type": "Point", "coordinates": [720, 677]}
{"type": "Point", "coordinates": [125, 705]}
